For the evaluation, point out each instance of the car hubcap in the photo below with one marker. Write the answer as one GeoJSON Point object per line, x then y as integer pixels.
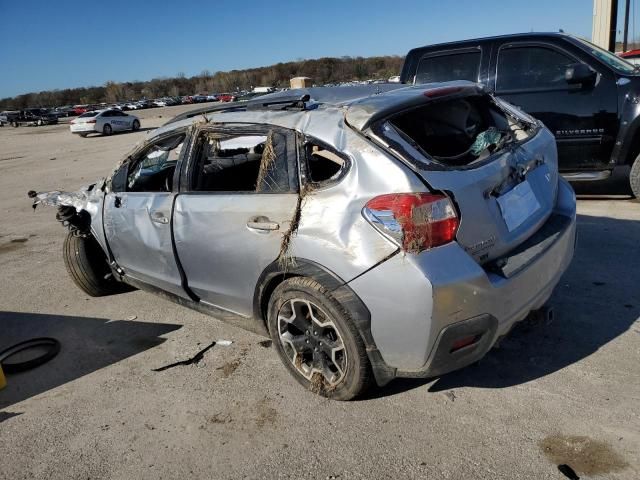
{"type": "Point", "coordinates": [311, 341]}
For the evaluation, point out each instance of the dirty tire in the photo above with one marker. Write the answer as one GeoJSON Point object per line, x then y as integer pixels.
{"type": "Point", "coordinates": [357, 377]}
{"type": "Point", "coordinates": [634, 177]}
{"type": "Point", "coordinates": [135, 126]}
{"type": "Point", "coordinates": [107, 130]}
{"type": "Point", "coordinates": [87, 266]}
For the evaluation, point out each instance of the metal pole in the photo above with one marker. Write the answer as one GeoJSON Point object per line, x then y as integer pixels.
{"type": "Point", "coordinates": [626, 25]}
{"type": "Point", "coordinates": [613, 25]}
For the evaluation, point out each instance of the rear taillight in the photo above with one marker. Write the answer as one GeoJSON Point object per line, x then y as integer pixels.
{"type": "Point", "coordinates": [415, 221]}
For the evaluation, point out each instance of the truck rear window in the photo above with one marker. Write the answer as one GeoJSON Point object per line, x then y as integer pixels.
{"type": "Point", "coordinates": [443, 68]}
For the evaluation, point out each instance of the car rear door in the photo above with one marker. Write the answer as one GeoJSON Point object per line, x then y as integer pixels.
{"type": "Point", "coordinates": [137, 214]}
{"type": "Point", "coordinates": [237, 201]}
{"type": "Point", "coordinates": [531, 75]}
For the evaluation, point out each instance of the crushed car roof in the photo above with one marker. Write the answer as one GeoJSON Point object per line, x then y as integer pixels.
{"type": "Point", "coordinates": [362, 104]}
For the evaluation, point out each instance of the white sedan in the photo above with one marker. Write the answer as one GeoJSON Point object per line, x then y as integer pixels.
{"type": "Point", "coordinates": [105, 122]}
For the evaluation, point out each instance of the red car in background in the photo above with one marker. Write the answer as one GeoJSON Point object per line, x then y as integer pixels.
{"type": "Point", "coordinates": [80, 109]}
{"type": "Point", "coordinates": [226, 97]}
{"type": "Point", "coordinates": [632, 56]}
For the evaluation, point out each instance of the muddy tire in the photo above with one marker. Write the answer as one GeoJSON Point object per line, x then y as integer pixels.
{"type": "Point", "coordinates": [634, 177]}
{"type": "Point", "coordinates": [317, 340]}
{"type": "Point", "coordinates": [135, 126]}
{"type": "Point", "coordinates": [87, 266]}
{"type": "Point", "coordinates": [107, 130]}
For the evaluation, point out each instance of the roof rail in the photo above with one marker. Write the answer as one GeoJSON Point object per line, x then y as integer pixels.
{"type": "Point", "coordinates": [279, 103]}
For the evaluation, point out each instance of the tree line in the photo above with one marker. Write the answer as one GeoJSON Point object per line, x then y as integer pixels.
{"type": "Point", "coordinates": [322, 71]}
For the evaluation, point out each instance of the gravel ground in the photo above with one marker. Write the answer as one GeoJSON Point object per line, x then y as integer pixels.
{"type": "Point", "coordinates": [566, 392]}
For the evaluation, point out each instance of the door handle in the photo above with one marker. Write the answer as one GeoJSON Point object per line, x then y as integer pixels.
{"type": "Point", "coordinates": [262, 223]}
{"type": "Point", "coordinates": [159, 217]}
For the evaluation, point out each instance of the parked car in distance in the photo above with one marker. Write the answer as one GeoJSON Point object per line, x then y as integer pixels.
{"type": "Point", "coordinates": [105, 122]}
{"type": "Point", "coordinates": [631, 56]}
{"type": "Point", "coordinates": [33, 117]}
{"type": "Point", "coordinates": [80, 109]}
{"type": "Point", "coordinates": [587, 96]}
{"type": "Point", "coordinates": [159, 103]}
{"type": "Point", "coordinates": [226, 97]}
{"type": "Point", "coordinates": [424, 223]}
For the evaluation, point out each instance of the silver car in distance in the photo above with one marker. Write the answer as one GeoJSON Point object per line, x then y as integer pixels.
{"type": "Point", "coordinates": [372, 231]}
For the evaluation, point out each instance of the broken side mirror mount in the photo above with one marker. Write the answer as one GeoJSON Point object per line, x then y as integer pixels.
{"type": "Point", "coordinates": [580, 74]}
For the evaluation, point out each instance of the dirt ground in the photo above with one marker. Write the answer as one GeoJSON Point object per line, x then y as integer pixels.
{"type": "Point", "coordinates": [563, 393]}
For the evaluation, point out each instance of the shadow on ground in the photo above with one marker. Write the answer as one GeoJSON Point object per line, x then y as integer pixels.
{"type": "Point", "coordinates": [595, 302]}
{"type": "Point", "coordinates": [87, 345]}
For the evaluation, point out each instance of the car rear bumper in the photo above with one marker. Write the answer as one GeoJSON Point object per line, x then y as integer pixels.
{"type": "Point", "coordinates": [82, 128]}
{"type": "Point", "coordinates": [422, 303]}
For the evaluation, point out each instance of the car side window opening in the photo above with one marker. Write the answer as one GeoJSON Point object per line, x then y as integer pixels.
{"type": "Point", "coordinates": [521, 68]}
{"type": "Point", "coordinates": [455, 66]}
{"type": "Point", "coordinates": [153, 170]}
{"type": "Point", "coordinates": [251, 162]}
{"type": "Point", "coordinates": [324, 165]}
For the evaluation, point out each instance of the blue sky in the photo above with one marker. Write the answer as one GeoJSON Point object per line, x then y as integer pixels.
{"type": "Point", "coordinates": [61, 44]}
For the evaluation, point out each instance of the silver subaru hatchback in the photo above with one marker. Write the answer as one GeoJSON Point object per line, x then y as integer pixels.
{"type": "Point", "coordinates": [372, 232]}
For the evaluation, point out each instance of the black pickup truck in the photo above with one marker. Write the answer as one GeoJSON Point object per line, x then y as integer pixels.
{"type": "Point", "coordinates": [588, 97]}
{"type": "Point", "coordinates": [31, 116]}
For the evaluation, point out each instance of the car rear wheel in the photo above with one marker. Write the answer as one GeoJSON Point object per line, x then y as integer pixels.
{"type": "Point", "coordinates": [634, 177]}
{"type": "Point", "coordinates": [135, 126]}
{"type": "Point", "coordinates": [107, 129]}
{"type": "Point", "coordinates": [83, 135]}
{"type": "Point", "coordinates": [317, 340]}
{"type": "Point", "coordinates": [87, 266]}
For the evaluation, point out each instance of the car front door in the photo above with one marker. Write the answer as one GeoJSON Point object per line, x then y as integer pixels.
{"type": "Point", "coordinates": [237, 201]}
{"type": "Point", "coordinates": [137, 215]}
{"type": "Point", "coordinates": [582, 117]}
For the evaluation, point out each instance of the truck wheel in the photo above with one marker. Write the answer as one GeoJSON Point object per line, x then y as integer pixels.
{"type": "Point", "coordinates": [107, 129]}
{"type": "Point", "coordinates": [135, 126]}
{"type": "Point", "coordinates": [317, 340]}
{"type": "Point", "coordinates": [634, 177]}
{"type": "Point", "coordinates": [87, 266]}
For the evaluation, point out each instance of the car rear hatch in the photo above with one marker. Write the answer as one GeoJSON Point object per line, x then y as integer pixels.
{"type": "Point", "coordinates": [497, 164]}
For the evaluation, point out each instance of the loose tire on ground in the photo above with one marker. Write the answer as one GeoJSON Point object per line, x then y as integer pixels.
{"type": "Point", "coordinates": [357, 375]}
{"type": "Point", "coordinates": [87, 266]}
{"type": "Point", "coordinates": [107, 129]}
{"type": "Point", "coordinates": [634, 177]}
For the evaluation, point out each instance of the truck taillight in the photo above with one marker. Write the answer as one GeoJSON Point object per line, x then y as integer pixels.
{"type": "Point", "coordinates": [415, 221]}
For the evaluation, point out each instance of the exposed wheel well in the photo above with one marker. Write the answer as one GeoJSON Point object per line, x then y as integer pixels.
{"type": "Point", "coordinates": [634, 148]}
{"type": "Point", "coordinates": [267, 291]}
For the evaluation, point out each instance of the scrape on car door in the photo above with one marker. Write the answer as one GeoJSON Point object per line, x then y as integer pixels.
{"type": "Point", "coordinates": [137, 215]}
{"type": "Point", "coordinates": [239, 201]}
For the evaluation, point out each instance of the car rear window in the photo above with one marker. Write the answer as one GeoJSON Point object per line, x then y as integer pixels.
{"type": "Point", "coordinates": [88, 114]}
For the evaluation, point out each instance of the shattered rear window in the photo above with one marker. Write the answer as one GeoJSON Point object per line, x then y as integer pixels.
{"type": "Point", "coordinates": [457, 132]}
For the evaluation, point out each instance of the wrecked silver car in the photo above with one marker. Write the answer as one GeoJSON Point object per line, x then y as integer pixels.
{"type": "Point", "coordinates": [373, 232]}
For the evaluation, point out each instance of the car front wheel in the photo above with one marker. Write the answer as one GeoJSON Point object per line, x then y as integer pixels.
{"type": "Point", "coordinates": [87, 266]}
{"type": "Point", "coordinates": [634, 177]}
{"type": "Point", "coordinates": [107, 129]}
{"type": "Point", "coordinates": [135, 126]}
{"type": "Point", "coordinates": [317, 340]}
